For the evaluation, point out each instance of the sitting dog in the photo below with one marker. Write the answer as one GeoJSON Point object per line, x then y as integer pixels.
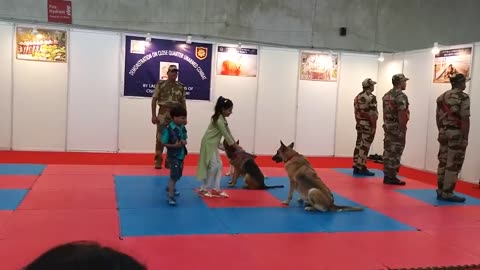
{"type": "Point", "coordinates": [305, 180]}
{"type": "Point", "coordinates": [244, 165]}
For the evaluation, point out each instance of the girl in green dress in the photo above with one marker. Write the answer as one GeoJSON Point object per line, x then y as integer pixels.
{"type": "Point", "coordinates": [209, 169]}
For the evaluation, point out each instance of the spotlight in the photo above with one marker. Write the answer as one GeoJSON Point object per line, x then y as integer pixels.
{"type": "Point", "coordinates": [435, 49]}
{"type": "Point", "coordinates": [381, 58]}
{"type": "Point", "coordinates": [148, 38]}
{"type": "Point", "coordinates": [189, 40]}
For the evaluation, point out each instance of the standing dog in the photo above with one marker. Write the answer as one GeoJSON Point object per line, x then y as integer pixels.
{"type": "Point", "coordinates": [303, 178]}
{"type": "Point", "coordinates": [244, 165]}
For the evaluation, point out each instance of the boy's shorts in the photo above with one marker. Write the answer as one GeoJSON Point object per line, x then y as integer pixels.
{"type": "Point", "coordinates": [176, 168]}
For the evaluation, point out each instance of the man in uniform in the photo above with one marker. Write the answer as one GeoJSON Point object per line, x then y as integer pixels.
{"type": "Point", "coordinates": [366, 115]}
{"type": "Point", "coordinates": [168, 93]}
{"type": "Point", "coordinates": [396, 114]}
{"type": "Point", "coordinates": [453, 122]}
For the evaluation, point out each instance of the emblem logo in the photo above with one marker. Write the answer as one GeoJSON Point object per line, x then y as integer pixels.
{"type": "Point", "coordinates": [201, 52]}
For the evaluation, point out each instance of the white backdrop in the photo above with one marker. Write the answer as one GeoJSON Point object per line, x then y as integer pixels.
{"type": "Point", "coordinates": [243, 92]}
{"type": "Point", "coordinates": [393, 64]}
{"type": "Point", "coordinates": [274, 106]}
{"type": "Point", "coordinates": [6, 42]}
{"type": "Point", "coordinates": [93, 96]}
{"type": "Point", "coordinates": [315, 129]}
{"type": "Point", "coordinates": [39, 105]}
{"type": "Point", "coordinates": [418, 67]}
{"type": "Point", "coordinates": [277, 99]}
{"type": "Point", "coordinates": [353, 70]}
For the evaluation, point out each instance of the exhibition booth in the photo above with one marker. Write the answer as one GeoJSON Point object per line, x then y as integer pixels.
{"type": "Point", "coordinates": [89, 90]}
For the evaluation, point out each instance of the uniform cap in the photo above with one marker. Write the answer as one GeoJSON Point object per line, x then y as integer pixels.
{"type": "Point", "coordinates": [458, 78]}
{"type": "Point", "coordinates": [172, 68]}
{"type": "Point", "coordinates": [367, 82]}
{"type": "Point", "coordinates": [399, 77]}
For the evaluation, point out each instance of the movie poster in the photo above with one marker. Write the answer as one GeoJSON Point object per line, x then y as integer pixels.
{"type": "Point", "coordinates": [234, 61]}
{"type": "Point", "coordinates": [316, 66]}
{"type": "Point", "coordinates": [37, 44]}
{"type": "Point", "coordinates": [147, 62]}
{"type": "Point", "coordinates": [451, 61]}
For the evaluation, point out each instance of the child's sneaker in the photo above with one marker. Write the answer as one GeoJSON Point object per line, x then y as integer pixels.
{"type": "Point", "coordinates": [172, 201]}
{"type": "Point", "coordinates": [217, 193]}
{"type": "Point", "coordinates": [204, 192]}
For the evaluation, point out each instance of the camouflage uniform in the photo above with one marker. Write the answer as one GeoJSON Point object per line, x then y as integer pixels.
{"type": "Point", "coordinates": [452, 107]}
{"type": "Point", "coordinates": [394, 101]}
{"type": "Point", "coordinates": [365, 107]}
{"type": "Point", "coordinates": [168, 94]}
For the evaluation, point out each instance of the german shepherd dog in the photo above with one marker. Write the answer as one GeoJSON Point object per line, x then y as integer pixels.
{"type": "Point", "coordinates": [304, 179]}
{"type": "Point", "coordinates": [244, 165]}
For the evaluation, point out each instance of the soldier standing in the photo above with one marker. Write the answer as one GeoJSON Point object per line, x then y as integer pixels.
{"type": "Point", "coordinates": [168, 93]}
{"type": "Point", "coordinates": [396, 114]}
{"type": "Point", "coordinates": [366, 115]}
{"type": "Point", "coordinates": [453, 123]}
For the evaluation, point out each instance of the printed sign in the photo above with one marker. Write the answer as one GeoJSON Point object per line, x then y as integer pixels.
{"type": "Point", "coordinates": [451, 61]}
{"type": "Point", "coordinates": [41, 44]}
{"type": "Point", "coordinates": [147, 62]}
{"type": "Point", "coordinates": [234, 61]}
{"type": "Point", "coordinates": [319, 66]}
{"type": "Point", "coordinates": [60, 11]}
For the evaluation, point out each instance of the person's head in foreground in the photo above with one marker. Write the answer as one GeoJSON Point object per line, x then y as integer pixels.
{"type": "Point", "coordinates": [223, 107]}
{"type": "Point", "coordinates": [400, 81]}
{"type": "Point", "coordinates": [179, 115]}
{"type": "Point", "coordinates": [84, 256]}
{"type": "Point", "coordinates": [368, 85]}
{"type": "Point", "coordinates": [459, 81]}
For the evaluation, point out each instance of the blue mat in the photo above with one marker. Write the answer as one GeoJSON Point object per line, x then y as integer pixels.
{"type": "Point", "coordinates": [21, 169]}
{"type": "Point", "coordinates": [144, 212]}
{"type": "Point", "coordinates": [10, 199]}
{"type": "Point", "coordinates": [169, 221]}
{"type": "Point", "coordinates": [349, 172]}
{"type": "Point", "coordinates": [430, 196]}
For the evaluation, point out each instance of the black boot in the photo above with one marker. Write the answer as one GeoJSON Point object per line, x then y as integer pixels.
{"type": "Point", "coordinates": [363, 172]}
{"type": "Point", "coordinates": [393, 181]}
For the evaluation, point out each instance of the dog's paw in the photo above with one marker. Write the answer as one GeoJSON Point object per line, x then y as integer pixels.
{"type": "Point", "coordinates": [285, 202]}
{"type": "Point", "coordinates": [231, 184]}
{"type": "Point", "coordinates": [309, 208]}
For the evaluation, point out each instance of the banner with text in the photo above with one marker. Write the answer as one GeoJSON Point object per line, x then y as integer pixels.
{"type": "Point", "coordinates": [48, 45]}
{"type": "Point", "coordinates": [451, 61]}
{"type": "Point", "coordinates": [234, 61]}
{"type": "Point", "coordinates": [146, 62]}
{"type": "Point", "coordinates": [316, 66]}
{"type": "Point", "coordinates": [60, 11]}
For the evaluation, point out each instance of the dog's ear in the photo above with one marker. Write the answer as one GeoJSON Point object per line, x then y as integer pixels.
{"type": "Point", "coordinates": [291, 145]}
{"type": "Point", "coordinates": [238, 141]}
{"type": "Point", "coordinates": [282, 144]}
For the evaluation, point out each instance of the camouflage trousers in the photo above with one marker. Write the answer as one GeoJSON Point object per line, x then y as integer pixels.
{"type": "Point", "coordinates": [164, 120]}
{"type": "Point", "coordinates": [365, 136]}
{"type": "Point", "coordinates": [393, 146]}
{"type": "Point", "coordinates": [450, 156]}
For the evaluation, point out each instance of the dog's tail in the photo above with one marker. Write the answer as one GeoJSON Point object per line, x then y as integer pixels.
{"type": "Point", "coordinates": [342, 208]}
{"type": "Point", "coordinates": [275, 186]}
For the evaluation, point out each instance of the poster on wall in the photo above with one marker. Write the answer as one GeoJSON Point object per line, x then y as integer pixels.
{"type": "Point", "coordinates": [317, 66]}
{"type": "Point", "coordinates": [36, 44]}
{"type": "Point", "coordinates": [146, 62]}
{"type": "Point", "coordinates": [234, 61]}
{"type": "Point", "coordinates": [451, 61]}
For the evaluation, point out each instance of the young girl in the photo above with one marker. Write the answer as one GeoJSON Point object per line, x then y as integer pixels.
{"type": "Point", "coordinates": [210, 165]}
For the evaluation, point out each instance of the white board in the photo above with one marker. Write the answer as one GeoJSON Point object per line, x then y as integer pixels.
{"type": "Point", "coordinates": [243, 93]}
{"type": "Point", "coordinates": [417, 67]}
{"type": "Point", "coordinates": [392, 65]}
{"type": "Point", "coordinates": [93, 91]}
{"type": "Point", "coordinates": [354, 68]}
{"type": "Point", "coordinates": [39, 105]}
{"type": "Point", "coordinates": [277, 99]}
{"type": "Point", "coordinates": [6, 57]}
{"type": "Point", "coordinates": [471, 167]}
